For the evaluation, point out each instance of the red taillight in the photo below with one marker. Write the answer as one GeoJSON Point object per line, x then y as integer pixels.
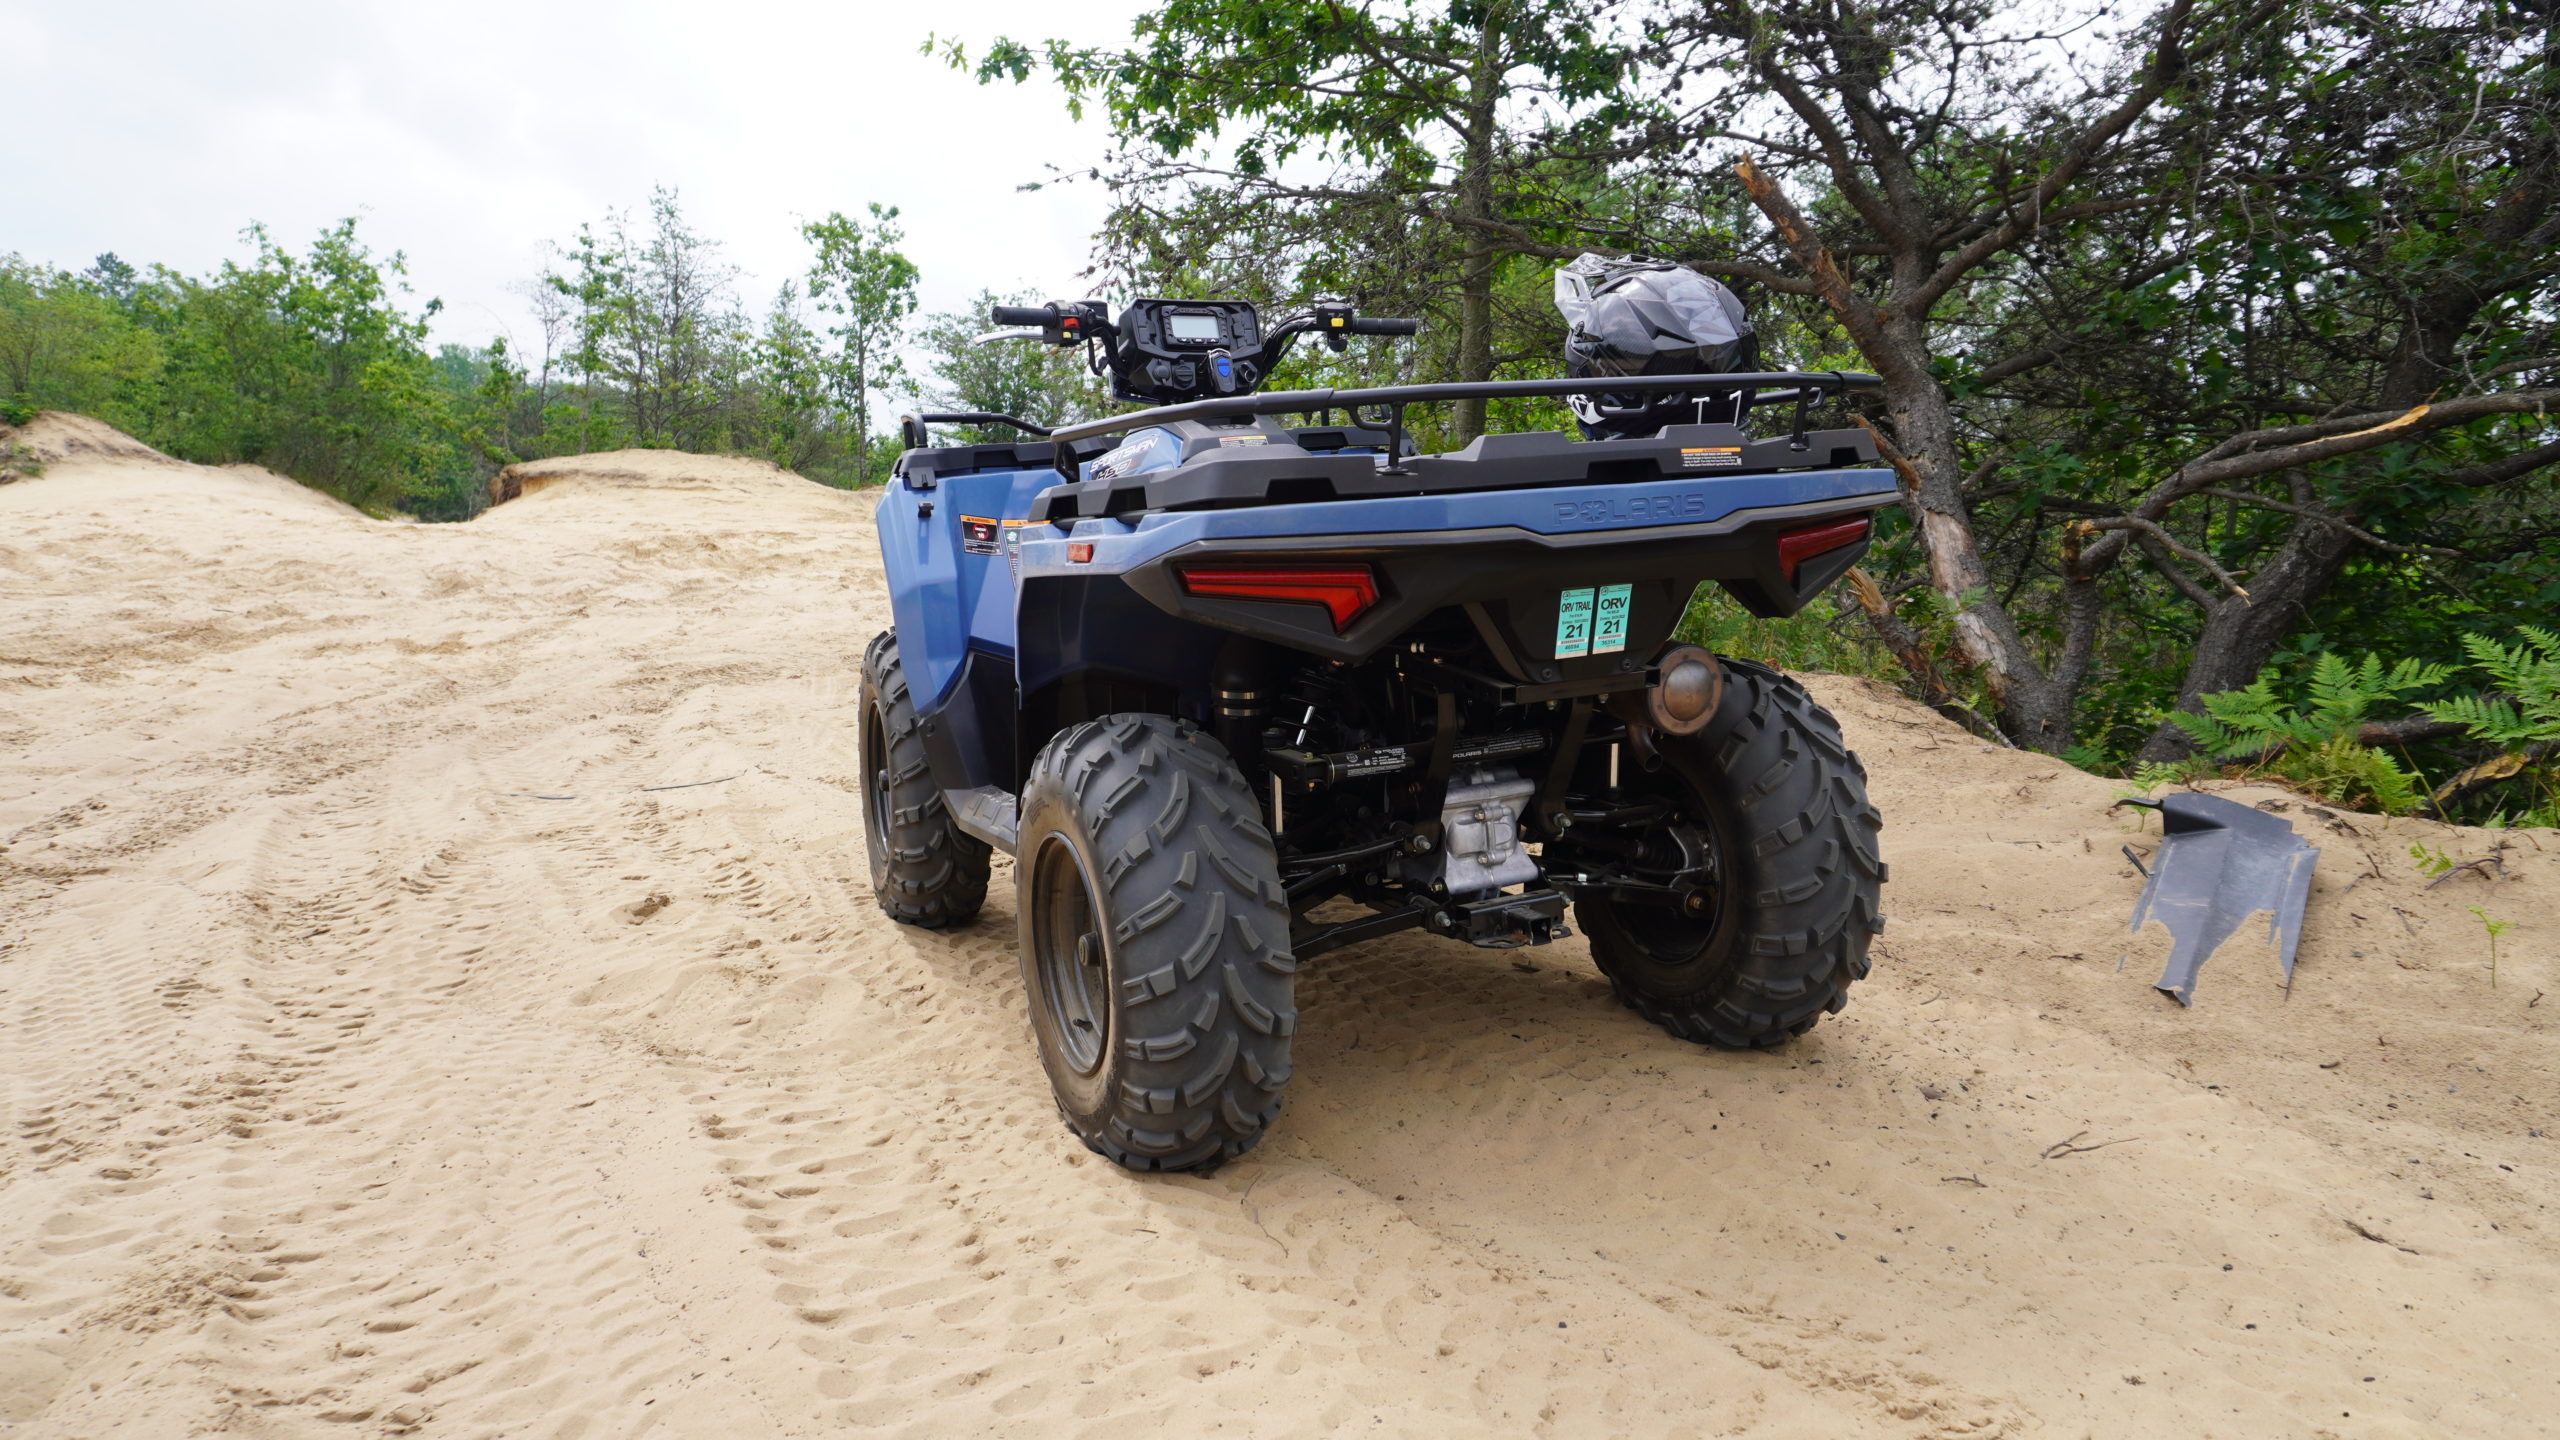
{"type": "Point", "coordinates": [1343, 590]}
{"type": "Point", "coordinates": [1797, 546]}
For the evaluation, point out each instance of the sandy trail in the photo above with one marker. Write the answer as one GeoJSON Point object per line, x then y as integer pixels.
{"type": "Point", "coordinates": [384, 1054]}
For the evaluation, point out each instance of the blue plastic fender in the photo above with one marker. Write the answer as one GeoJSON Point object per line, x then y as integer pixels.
{"type": "Point", "coordinates": [951, 582]}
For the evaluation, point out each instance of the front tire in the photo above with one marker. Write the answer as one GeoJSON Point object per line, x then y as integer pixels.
{"type": "Point", "coordinates": [1155, 943]}
{"type": "Point", "coordinates": [925, 870]}
{"type": "Point", "coordinates": [1777, 804]}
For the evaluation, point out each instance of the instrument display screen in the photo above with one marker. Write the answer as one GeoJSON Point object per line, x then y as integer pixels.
{"type": "Point", "coordinates": [1192, 329]}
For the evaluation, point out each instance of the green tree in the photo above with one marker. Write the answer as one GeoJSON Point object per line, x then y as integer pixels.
{"type": "Point", "coordinates": [1475, 120]}
{"type": "Point", "coordinates": [2011, 244]}
{"type": "Point", "coordinates": [796, 423]}
{"type": "Point", "coordinates": [653, 309]}
{"type": "Point", "coordinates": [868, 290]}
{"type": "Point", "coordinates": [307, 364]}
{"type": "Point", "coordinates": [65, 346]}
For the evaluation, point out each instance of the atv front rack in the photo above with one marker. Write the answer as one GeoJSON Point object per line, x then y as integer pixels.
{"type": "Point", "coordinates": [1382, 407]}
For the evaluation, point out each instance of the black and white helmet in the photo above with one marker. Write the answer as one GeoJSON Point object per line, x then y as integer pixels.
{"type": "Point", "coordinates": [1639, 316]}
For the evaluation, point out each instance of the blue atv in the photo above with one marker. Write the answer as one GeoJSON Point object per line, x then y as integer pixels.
{"type": "Point", "coordinates": [1235, 693]}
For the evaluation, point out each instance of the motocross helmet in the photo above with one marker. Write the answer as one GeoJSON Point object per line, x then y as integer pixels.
{"type": "Point", "coordinates": [1639, 316]}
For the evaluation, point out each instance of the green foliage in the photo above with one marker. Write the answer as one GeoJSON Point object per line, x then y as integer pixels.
{"type": "Point", "coordinates": [2342, 697]}
{"type": "Point", "coordinates": [66, 345]}
{"type": "Point", "coordinates": [869, 289]}
{"type": "Point", "coordinates": [305, 363]}
{"type": "Point", "coordinates": [2526, 705]}
{"type": "Point", "coordinates": [314, 364]}
{"type": "Point", "coordinates": [652, 314]}
{"type": "Point", "coordinates": [2520, 715]}
{"type": "Point", "coordinates": [1279, 81]}
{"type": "Point", "coordinates": [2150, 775]}
{"type": "Point", "coordinates": [789, 424]}
{"type": "Point", "coordinates": [1826, 638]}
{"type": "Point", "coordinates": [2431, 862]}
{"type": "Point", "coordinates": [1423, 149]}
{"type": "Point", "coordinates": [2314, 745]}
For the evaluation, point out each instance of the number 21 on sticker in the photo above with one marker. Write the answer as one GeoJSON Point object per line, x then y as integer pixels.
{"type": "Point", "coordinates": [1592, 621]}
{"type": "Point", "coordinates": [1573, 624]}
{"type": "Point", "coordinates": [1609, 626]}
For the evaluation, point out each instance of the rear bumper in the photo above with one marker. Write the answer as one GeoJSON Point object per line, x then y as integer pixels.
{"type": "Point", "coordinates": [1507, 555]}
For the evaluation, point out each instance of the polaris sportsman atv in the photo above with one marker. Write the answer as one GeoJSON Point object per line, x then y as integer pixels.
{"type": "Point", "coordinates": [1235, 693]}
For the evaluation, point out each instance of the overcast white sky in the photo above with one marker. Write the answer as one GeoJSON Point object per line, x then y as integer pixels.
{"type": "Point", "coordinates": [468, 132]}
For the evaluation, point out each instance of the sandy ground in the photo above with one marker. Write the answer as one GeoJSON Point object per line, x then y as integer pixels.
{"type": "Point", "coordinates": [385, 1051]}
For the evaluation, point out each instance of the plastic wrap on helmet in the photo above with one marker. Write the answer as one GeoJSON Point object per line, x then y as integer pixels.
{"type": "Point", "coordinates": [1639, 316]}
{"type": "Point", "coordinates": [1671, 315]}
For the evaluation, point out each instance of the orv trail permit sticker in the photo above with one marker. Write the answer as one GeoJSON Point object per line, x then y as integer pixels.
{"type": "Point", "coordinates": [1609, 625]}
{"type": "Point", "coordinates": [1573, 624]}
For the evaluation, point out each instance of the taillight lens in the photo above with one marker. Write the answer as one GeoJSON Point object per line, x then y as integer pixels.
{"type": "Point", "coordinates": [1797, 546]}
{"type": "Point", "coordinates": [1343, 590]}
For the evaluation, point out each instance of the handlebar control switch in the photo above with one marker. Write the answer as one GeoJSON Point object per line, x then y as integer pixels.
{"type": "Point", "coordinates": [1332, 319]}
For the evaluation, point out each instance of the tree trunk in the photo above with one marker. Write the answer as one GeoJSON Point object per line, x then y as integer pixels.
{"type": "Point", "coordinates": [2034, 711]}
{"type": "Point", "coordinates": [2240, 635]}
{"type": "Point", "coordinates": [1482, 259]}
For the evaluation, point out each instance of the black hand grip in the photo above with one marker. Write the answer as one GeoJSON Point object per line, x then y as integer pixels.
{"type": "Point", "coordinates": [1023, 315]}
{"type": "Point", "coordinates": [1366, 325]}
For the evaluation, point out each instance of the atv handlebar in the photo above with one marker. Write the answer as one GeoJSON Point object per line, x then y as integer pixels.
{"type": "Point", "coordinates": [1364, 325]}
{"type": "Point", "coordinates": [1024, 314]}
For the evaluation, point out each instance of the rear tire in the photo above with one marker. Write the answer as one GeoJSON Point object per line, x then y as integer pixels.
{"type": "Point", "coordinates": [1155, 943]}
{"type": "Point", "coordinates": [1780, 803]}
{"type": "Point", "coordinates": [925, 870]}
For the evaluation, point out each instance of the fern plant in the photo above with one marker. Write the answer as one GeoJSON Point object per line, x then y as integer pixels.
{"type": "Point", "coordinates": [2529, 672]}
{"type": "Point", "coordinates": [2523, 716]}
{"type": "Point", "coordinates": [2313, 745]}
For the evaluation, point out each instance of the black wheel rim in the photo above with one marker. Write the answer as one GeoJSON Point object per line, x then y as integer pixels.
{"type": "Point", "coordinates": [875, 758]}
{"type": "Point", "coordinates": [1675, 934]}
{"type": "Point", "coordinates": [1069, 956]}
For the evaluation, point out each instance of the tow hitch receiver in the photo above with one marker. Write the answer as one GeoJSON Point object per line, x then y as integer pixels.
{"type": "Point", "coordinates": [1505, 922]}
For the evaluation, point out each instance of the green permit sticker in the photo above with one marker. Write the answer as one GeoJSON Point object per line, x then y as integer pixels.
{"type": "Point", "coordinates": [1609, 627]}
{"type": "Point", "coordinates": [1573, 624]}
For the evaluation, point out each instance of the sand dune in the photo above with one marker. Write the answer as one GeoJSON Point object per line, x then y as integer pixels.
{"type": "Point", "coordinates": [387, 1051]}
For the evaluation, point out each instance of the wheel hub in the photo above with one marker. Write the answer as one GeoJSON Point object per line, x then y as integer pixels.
{"type": "Point", "coordinates": [1069, 957]}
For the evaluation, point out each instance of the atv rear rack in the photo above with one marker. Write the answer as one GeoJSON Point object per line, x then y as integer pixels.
{"type": "Point", "coordinates": [1806, 388]}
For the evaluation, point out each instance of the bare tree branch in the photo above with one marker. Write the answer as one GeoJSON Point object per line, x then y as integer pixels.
{"type": "Point", "coordinates": [2325, 518]}
{"type": "Point", "coordinates": [2136, 524]}
{"type": "Point", "coordinates": [2505, 468]}
{"type": "Point", "coordinates": [2180, 580]}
